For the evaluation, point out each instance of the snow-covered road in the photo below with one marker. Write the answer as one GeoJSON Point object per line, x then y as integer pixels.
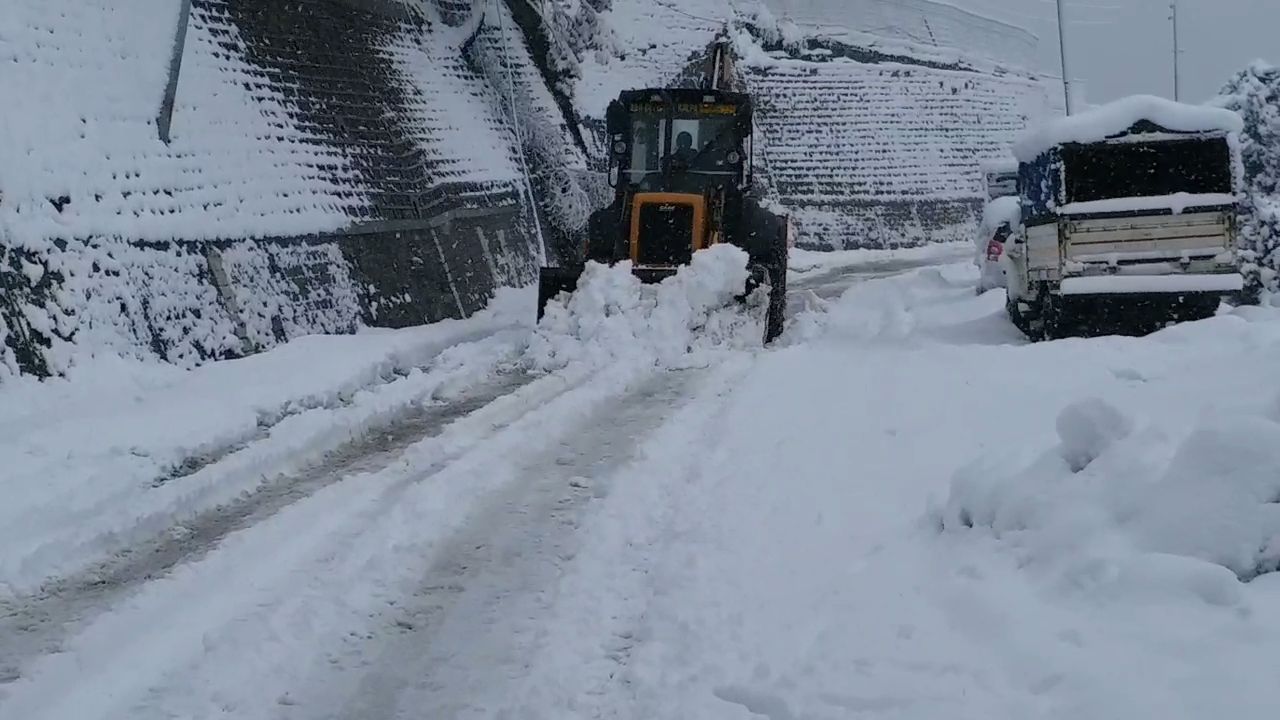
{"type": "Point", "coordinates": [902, 511]}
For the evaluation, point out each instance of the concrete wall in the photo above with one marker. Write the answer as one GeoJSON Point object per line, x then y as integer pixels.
{"type": "Point", "coordinates": [332, 163]}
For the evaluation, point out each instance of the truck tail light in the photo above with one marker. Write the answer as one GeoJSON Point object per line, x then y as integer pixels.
{"type": "Point", "coordinates": [994, 250]}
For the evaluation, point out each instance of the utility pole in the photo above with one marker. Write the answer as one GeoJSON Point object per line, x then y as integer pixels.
{"type": "Point", "coordinates": [1177, 51]}
{"type": "Point", "coordinates": [1062, 45]}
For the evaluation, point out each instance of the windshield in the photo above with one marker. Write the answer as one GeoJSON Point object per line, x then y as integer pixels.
{"type": "Point", "coordinates": [697, 147]}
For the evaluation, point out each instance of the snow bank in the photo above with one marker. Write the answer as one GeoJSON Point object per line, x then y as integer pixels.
{"type": "Point", "coordinates": [1113, 118]}
{"type": "Point", "coordinates": [613, 318]}
{"type": "Point", "coordinates": [119, 448]}
{"type": "Point", "coordinates": [1113, 492]}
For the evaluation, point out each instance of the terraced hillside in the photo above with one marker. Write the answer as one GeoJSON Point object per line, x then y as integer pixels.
{"type": "Point", "coordinates": [871, 152]}
{"type": "Point", "coordinates": [330, 164]}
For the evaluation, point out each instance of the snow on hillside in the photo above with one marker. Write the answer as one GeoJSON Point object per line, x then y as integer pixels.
{"type": "Point", "coordinates": [243, 161]}
{"type": "Point", "coordinates": [648, 43]}
{"type": "Point", "coordinates": [96, 72]}
{"type": "Point", "coordinates": [901, 131]}
{"type": "Point", "coordinates": [918, 27]}
{"type": "Point", "coordinates": [880, 153]}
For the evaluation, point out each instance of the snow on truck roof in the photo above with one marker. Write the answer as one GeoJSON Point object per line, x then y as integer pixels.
{"type": "Point", "coordinates": [1115, 118]}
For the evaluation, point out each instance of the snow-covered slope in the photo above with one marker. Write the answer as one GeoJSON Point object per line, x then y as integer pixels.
{"type": "Point", "coordinates": [923, 27]}
{"type": "Point", "coordinates": [253, 154]}
{"type": "Point", "coordinates": [884, 153]}
{"type": "Point", "coordinates": [291, 122]}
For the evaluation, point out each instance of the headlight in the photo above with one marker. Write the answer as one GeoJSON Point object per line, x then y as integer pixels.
{"type": "Point", "coordinates": [733, 157]}
{"type": "Point", "coordinates": [619, 148]}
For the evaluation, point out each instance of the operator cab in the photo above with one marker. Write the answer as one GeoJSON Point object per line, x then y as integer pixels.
{"type": "Point", "coordinates": [680, 160]}
{"type": "Point", "coordinates": [680, 140]}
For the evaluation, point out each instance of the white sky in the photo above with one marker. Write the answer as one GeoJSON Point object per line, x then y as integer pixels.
{"type": "Point", "coordinates": [1122, 47]}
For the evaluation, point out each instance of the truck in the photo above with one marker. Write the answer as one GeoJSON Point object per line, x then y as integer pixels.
{"type": "Point", "coordinates": [1128, 219]}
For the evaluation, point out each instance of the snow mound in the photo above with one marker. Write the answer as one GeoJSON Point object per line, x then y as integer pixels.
{"type": "Point", "coordinates": [1088, 429]}
{"type": "Point", "coordinates": [1113, 118]}
{"type": "Point", "coordinates": [1218, 500]}
{"type": "Point", "coordinates": [1112, 506]}
{"type": "Point", "coordinates": [613, 318]}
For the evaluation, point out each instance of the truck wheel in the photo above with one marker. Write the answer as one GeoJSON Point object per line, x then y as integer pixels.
{"type": "Point", "coordinates": [1050, 314]}
{"type": "Point", "coordinates": [1019, 319]}
{"type": "Point", "coordinates": [1045, 322]}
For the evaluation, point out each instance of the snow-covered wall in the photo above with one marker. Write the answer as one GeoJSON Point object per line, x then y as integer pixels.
{"type": "Point", "coordinates": [869, 151]}
{"type": "Point", "coordinates": [331, 163]}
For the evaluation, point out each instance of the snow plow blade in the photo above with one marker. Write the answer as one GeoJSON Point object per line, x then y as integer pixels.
{"type": "Point", "coordinates": [554, 280]}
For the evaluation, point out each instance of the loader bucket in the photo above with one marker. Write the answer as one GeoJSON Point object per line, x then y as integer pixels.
{"type": "Point", "coordinates": [554, 280]}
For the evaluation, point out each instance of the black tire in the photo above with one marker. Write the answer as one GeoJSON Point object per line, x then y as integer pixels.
{"type": "Point", "coordinates": [1050, 316]}
{"type": "Point", "coordinates": [1016, 317]}
{"type": "Point", "coordinates": [776, 318]}
{"type": "Point", "coordinates": [1045, 323]}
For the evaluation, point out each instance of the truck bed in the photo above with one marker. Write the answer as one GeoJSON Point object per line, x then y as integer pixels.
{"type": "Point", "coordinates": [1152, 238]}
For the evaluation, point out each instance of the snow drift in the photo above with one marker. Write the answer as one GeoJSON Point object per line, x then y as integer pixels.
{"type": "Point", "coordinates": [615, 319]}
{"type": "Point", "coordinates": [1106, 494]}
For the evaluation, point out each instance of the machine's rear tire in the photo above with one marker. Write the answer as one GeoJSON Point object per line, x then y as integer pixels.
{"type": "Point", "coordinates": [775, 320]}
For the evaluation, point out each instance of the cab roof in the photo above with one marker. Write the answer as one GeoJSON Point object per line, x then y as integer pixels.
{"type": "Point", "coordinates": [685, 95]}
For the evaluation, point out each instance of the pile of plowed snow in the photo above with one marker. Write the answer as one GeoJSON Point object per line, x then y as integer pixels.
{"type": "Point", "coordinates": [1115, 505]}
{"type": "Point", "coordinates": [614, 319]}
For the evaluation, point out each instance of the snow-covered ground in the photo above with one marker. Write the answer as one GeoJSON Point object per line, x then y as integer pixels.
{"type": "Point", "coordinates": [902, 510]}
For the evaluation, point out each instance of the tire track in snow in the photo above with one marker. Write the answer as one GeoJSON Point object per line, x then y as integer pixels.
{"type": "Point", "coordinates": [469, 625]}
{"type": "Point", "coordinates": [36, 624]}
{"type": "Point", "coordinates": [827, 285]}
{"type": "Point", "coordinates": [228, 633]}
{"type": "Point", "coordinates": [69, 531]}
{"type": "Point", "coordinates": [466, 641]}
